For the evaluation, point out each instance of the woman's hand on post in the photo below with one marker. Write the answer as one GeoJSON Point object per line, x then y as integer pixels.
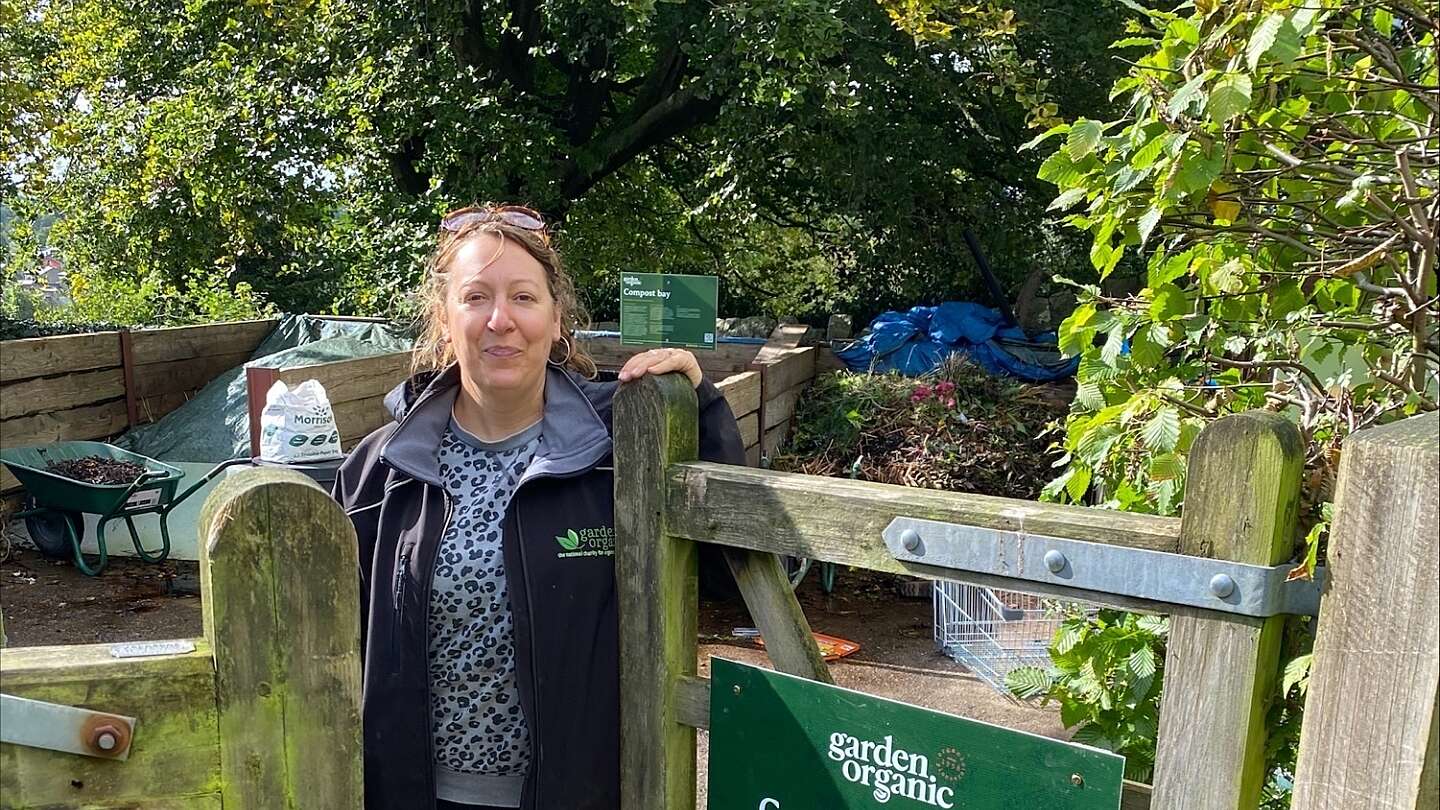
{"type": "Point", "coordinates": [662, 361]}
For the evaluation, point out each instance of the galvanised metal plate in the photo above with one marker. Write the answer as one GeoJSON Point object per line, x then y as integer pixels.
{"type": "Point", "coordinates": [1177, 579]}
{"type": "Point", "coordinates": [57, 727]}
{"type": "Point", "coordinates": [778, 742]}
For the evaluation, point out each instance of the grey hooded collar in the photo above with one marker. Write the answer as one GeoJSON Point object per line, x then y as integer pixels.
{"type": "Point", "coordinates": [573, 437]}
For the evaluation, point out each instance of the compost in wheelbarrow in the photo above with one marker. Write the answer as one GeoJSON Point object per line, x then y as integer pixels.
{"type": "Point", "coordinates": [55, 503]}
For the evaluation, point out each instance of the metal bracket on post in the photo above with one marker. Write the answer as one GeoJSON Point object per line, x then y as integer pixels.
{"type": "Point", "coordinates": [57, 727]}
{"type": "Point", "coordinates": [1159, 576]}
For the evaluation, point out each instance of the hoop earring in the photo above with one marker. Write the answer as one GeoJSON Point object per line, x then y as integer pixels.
{"type": "Point", "coordinates": [569, 351]}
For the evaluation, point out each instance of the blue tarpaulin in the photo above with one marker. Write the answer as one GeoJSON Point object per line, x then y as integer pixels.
{"type": "Point", "coordinates": [917, 341]}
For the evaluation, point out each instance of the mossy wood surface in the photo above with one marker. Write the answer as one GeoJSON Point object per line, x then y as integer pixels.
{"type": "Point", "coordinates": [655, 425]}
{"type": "Point", "coordinates": [265, 713]}
{"type": "Point", "coordinates": [281, 607]}
{"type": "Point", "coordinates": [174, 757]}
{"type": "Point", "coordinates": [1242, 497]}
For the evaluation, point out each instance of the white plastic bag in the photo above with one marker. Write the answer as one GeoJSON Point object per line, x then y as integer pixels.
{"type": "Point", "coordinates": [298, 424]}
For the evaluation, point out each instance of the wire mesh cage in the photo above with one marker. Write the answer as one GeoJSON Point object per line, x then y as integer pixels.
{"type": "Point", "coordinates": [995, 632]}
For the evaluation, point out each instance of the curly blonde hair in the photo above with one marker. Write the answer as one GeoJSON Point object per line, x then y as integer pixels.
{"type": "Point", "coordinates": [432, 350]}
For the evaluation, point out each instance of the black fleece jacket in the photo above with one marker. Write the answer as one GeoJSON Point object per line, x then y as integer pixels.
{"type": "Point", "coordinates": [562, 598]}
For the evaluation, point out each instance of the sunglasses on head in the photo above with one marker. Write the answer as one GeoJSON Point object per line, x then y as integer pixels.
{"type": "Point", "coordinates": [516, 215]}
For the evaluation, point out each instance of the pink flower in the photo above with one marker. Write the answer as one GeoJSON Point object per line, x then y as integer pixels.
{"type": "Point", "coordinates": [922, 391]}
{"type": "Point", "coordinates": [945, 388]}
{"type": "Point", "coordinates": [949, 402]}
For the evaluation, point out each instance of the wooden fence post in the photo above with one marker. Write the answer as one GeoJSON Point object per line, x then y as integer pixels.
{"type": "Point", "coordinates": [1371, 716]}
{"type": "Point", "coordinates": [280, 586]}
{"type": "Point", "coordinates": [656, 424]}
{"type": "Point", "coordinates": [1241, 504]}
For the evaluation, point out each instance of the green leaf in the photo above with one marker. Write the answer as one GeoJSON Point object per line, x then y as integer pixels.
{"type": "Point", "coordinates": [1147, 223]}
{"type": "Point", "coordinates": [1384, 22]}
{"type": "Point", "coordinates": [1068, 199]}
{"type": "Point", "coordinates": [1262, 39]}
{"type": "Point", "coordinates": [1286, 298]}
{"type": "Point", "coordinates": [1114, 343]}
{"type": "Point", "coordinates": [1060, 170]}
{"type": "Point", "coordinates": [1229, 98]}
{"type": "Point", "coordinates": [1142, 661]}
{"type": "Point", "coordinates": [1145, 353]}
{"type": "Point", "coordinates": [569, 541]}
{"type": "Point", "coordinates": [1188, 94]}
{"type": "Point", "coordinates": [1044, 136]}
{"type": "Point", "coordinates": [1163, 430]}
{"type": "Point", "coordinates": [1028, 682]}
{"type": "Point", "coordinates": [1288, 42]}
{"type": "Point", "coordinates": [1297, 673]}
{"type": "Point", "coordinates": [1166, 467]}
{"type": "Point", "coordinates": [1088, 396]}
{"type": "Point", "coordinates": [1169, 303]}
{"type": "Point", "coordinates": [1083, 138]}
{"type": "Point", "coordinates": [1079, 483]}
{"type": "Point", "coordinates": [1067, 637]}
{"type": "Point", "coordinates": [1146, 155]}
{"type": "Point", "coordinates": [1133, 42]}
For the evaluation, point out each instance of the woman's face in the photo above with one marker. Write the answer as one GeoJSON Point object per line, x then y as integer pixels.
{"type": "Point", "coordinates": [500, 316]}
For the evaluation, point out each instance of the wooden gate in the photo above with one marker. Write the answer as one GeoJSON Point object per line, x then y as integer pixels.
{"type": "Point", "coordinates": [1369, 738]}
{"type": "Point", "coordinates": [263, 713]}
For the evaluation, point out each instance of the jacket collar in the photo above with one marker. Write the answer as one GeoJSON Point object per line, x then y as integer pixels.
{"type": "Point", "coordinates": [573, 437]}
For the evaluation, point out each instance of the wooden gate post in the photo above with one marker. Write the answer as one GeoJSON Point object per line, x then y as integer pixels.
{"type": "Point", "coordinates": [656, 424]}
{"type": "Point", "coordinates": [1241, 504]}
{"type": "Point", "coordinates": [1371, 724]}
{"type": "Point", "coordinates": [279, 581]}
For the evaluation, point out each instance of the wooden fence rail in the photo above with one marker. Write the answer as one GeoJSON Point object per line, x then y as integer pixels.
{"type": "Point", "coordinates": [1241, 503]}
{"type": "Point", "coordinates": [264, 713]}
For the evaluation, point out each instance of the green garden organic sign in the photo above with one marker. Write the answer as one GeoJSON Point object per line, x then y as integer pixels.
{"type": "Point", "coordinates": [666, 310]}
{"type": "Point", "coordinates": [778, 742]}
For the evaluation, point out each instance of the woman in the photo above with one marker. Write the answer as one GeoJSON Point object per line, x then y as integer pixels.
{"type": "Point", "coordinates": [486, 522]}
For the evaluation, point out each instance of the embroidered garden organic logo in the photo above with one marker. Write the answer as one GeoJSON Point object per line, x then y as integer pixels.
{"type": "Point", "coordinates": [596, 542]}
{"type": "Point", "coordinates": [890, 771]}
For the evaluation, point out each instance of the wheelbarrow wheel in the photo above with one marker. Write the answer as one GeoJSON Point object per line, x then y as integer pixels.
{"type": "Point", "coordinates": [50, 532]}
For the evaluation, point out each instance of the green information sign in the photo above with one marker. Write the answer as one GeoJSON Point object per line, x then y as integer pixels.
{"type": "Point", "coordinates": [778, 742]}
{"type": "Point", "coordinates": [666, 310]}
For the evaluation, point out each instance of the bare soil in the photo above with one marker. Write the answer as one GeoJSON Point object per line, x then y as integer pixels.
{"type": "Point", "coordinates": [49, 602]}
{"type": "Point", "coordinates": [97, 469]}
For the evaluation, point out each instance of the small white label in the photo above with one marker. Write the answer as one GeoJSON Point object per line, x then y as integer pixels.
{"type": "Point", "coordinates": [709, 337]}
{"type": "Point", "coordinates": [143, 499]}
{"type": "Point", "coordinates": [141, 649]}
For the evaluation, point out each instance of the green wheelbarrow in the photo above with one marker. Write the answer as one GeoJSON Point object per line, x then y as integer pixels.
{"type": "Point", "coordinates": [55, 505]}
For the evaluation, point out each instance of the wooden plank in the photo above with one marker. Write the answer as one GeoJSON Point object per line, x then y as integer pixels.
{"type": "Point", "coordinates": [356, 419]}
{"type": "Point", "coordinates": [1242, 496]}
{"type": "Point", "coordinates": [181, 376]}
{"type": "Point", "coordinates": [187, 342]}
{"type": "Point", "coordinates": [51, 356]}
{"type": "Point", "coordinates": [152, 408]}
{"type": "Point", "coordinates": [826, 361]}
{"type": "Point", "coordinates": [772, 605]}
{"type": "Point", "coordinates": [726, 358]}
{"type": "Point", "coordinates": [89, 422]}
{"type": "Point", "coordinates": [127, 368]}
{"type": "Point", "coordinates": [774, 436]}
{"type": "Point", "coordinates": [656, 424]}
{"type": "Point", "coordinates": [1369, 733]}
{"type": "Point", "coordinates": [691, 697]}
{"type": "Point", "coordinates": [50, 394]}
{"type": "Point", "coordinates": [841, 521]}
{"type": "Point", "coordinates": [752, 455]}
{"type": "Point", "coordinates": [281, 608]}
{"type": "Point", "coordinates": [749, 428]}
{"type": "Point", "coordinates": [362, 378]}
{"type": "Point", "coordinates": [788, 335]}
{"type": "Point", "coordinates": [175, 756]}
{"type": "Point", "coordinates": [786, 369]}
{"type": "Point", "coordinates": [742, 392]}
{"type": "Point", "coordinates": [780, 407]}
